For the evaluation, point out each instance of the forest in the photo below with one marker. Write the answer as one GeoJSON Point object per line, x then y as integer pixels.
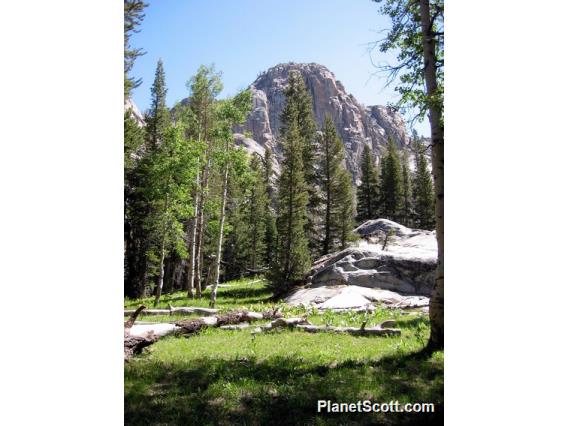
{"type": "Point", "coordinates": [213, 229]}
{"type": "Point", "coordinates": [199, 210]}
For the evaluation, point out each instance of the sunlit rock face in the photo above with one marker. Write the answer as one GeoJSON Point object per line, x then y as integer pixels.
{"type": "Point", "coordinates": [399, 273]}
{"type": "Point", "coordinates": [356, 124]}
{"type": "Point", "coordinates": [135, 112]}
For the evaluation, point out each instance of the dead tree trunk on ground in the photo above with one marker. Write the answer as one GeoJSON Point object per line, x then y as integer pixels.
{"type": "Point", "coordinates": [134, 344]}
{"type": "Point", "coordinates": [384, 329]}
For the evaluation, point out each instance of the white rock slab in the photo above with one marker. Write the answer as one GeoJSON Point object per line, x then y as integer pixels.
{"type": "Point", "coordinates": [352, 297]}
{"type": "Point", "coordinates": [345, 300]}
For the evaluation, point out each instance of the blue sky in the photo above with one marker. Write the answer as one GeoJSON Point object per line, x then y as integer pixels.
{"type": "Point", "coordinates": [245, 37]}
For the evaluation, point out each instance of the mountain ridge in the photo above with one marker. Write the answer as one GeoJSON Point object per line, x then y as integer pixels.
{"type": "Point", "coordinates": [357, 125]}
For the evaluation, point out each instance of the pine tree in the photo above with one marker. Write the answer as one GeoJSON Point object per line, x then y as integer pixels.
{"type": "Point", "coordinates": [133, 17]}
{"type": "Point", "coordinates": [133, 142]}
{"type": "Point", "coordinates": [168, 171]}
{"type": "Point", "coordinates": [423, 191]}
{"type": "Point", "coordinates": [269, 219]}
{"type": "Point", "coordinates": [258, 211]}
{"type": "Point", "coordinates": [407, 199]}
{"type": "Point", "coordinates": [293, 257]}
{"type": "Point", "coordinates": [336, 192]}
{"type": "Point", "coordinates": [368, 190]}
{"type": "Point", "coordinates": [247, 210]}
{"type": "Point", "coordinates": [390, 188]}
{"type": "Point", "coordinates": [346, 208]}
{"type": "Point", "coordinates": [158, 118]}
{"type": "Point", "coordinates": [135, 243]}
{"type": "Point", "coordinates": [298, 111]}
{"type": "Point", "coordinates": [236, 250]}
{"type": "Point", "coordinates": [135, 210]}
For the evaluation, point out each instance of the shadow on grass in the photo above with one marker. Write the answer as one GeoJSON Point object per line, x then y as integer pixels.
{"type": "Point", "coordinates": [281, 391]}
{"type": "Point", "coordinates": [254, 294]}
{"type": "Point", "coordinates": [242, 293]}
{"type": "Point", "coordinates": [413, 323]}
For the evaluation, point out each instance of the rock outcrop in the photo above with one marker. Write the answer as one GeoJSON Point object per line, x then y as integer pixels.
{"type": "Point", "coordinates": [130, 105]}
{"type": "Point", "coordinates": [400, 273]}
{"type": "Point", "coordinates": [356, 124]}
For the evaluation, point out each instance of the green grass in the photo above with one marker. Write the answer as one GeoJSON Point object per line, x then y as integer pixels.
{"type": "Point", "coordinates": [233, 377]}
{"type": "Point", "coordinates": [239, 294]}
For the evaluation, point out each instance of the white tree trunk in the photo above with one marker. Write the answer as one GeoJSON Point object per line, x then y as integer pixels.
{"type": "Point", "coordinates": [220, 239]}
{"type": "Point", "coordinates": [437, 133]}
{"type": "Point", "coordinates": [161, 277]}
{"type": "Point", "coordinates": [162, 256]}
{"type": "Point", "coordinates": [190, 267]}
{"type": "Point", "coordinates": [199, 227]}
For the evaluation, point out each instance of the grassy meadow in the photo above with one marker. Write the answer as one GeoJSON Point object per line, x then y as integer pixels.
{"type": "Point", "coordinates": [233, 377]}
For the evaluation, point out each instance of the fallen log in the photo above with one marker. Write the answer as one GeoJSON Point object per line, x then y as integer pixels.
{"type": "Point", "coordinates": [289, 322]}
{"type": "Point", "coordinates": [236, 326]}
{"type": "Point", "coordinates": [181, 310]}
{"type": "Point", "coordinates": [132, 319]}
{"type": "Point", "coordinates": [230, 318]}
{"type": "Point", "coordinates": [303, 324]}
{"type": "Point", "coordinates": [159, 329]}
{"type": "Point", "coordinates": [133, 344]}
{"type": "Point", "coordinates": [139, 336]}
{"type": "Point", "coordinates": [373, 331]}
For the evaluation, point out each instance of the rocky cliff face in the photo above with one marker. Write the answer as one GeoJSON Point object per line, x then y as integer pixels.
{"type": "Point", "coordinates": [130, 105]}
{"type": "Point", "coordinates": [356, 124]}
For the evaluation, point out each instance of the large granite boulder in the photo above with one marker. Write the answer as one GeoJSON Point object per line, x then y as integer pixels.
{"type": "Point", "coordinates": [400, 273]}
{"type": "Point", "coordinates": [405, 265]}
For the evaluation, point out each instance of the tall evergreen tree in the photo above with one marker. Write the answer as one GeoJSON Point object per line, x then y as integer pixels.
{"type": "Point", "coordinates": [247, 211]}
{"type": "Point", "coordinates": [346, 208]}
{"type": "Point", "coordinates": [423, 191]}
{"type": "Point", "coordinates": [168, 171]}
{"type": "Point", "coordinates": [135, 210]}
{"type": "Point", "coordinates": [236, 249]}
{"type": "Point", "coordinates": [293, 257]}
{"type": "Point", "coordinates": [406, 213]}
{"type": "Point", "coordinates": [390, 187]}
{"type": "Point", "coordinates": [299, 111]}
{"type": "Point", "coordinates": [133, 142]}
{"type": "Point", "coordinates": [368, 190]}
{"type": "Point", "coordinates": [158, 118]}
{"type": "Point", "coordinates": [258, 211]}
{"type": "Point", "coordinates": [335, 190]}
{"type": "Point", "coordinates": [133, 17]}
{"type": "Point", "coordinates": [269, 219]}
